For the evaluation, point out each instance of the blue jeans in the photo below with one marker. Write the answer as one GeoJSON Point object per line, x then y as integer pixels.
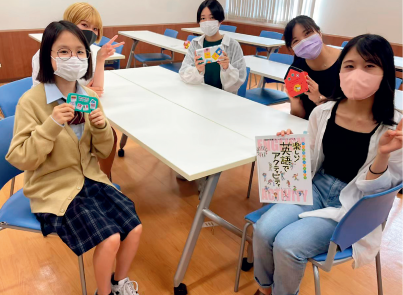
{"type": "Point", "coordinates": [283, 242]}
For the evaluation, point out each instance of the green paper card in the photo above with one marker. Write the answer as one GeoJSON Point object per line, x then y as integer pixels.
{"type": "Point", "coordinates": [82, 103]}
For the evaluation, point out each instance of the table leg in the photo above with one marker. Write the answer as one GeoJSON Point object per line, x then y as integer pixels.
{"type": "Point", "coordinates": [129, 62]}
{"type": "Point", "coordinates": [123, 139]}
{"type": "Point", "coordinates": [202, 211]}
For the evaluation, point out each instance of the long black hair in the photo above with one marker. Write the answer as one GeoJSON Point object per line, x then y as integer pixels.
{"type": "Point", "coordinates": [377, 50]}
{"type": "Point", "coordinates": [305, 21]}
{"type": "Point", "coordinates": [50, 35]}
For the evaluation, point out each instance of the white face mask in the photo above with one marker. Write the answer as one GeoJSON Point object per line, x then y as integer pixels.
{"type": "Point", "coordinates": [72, 69]}
{"type": "Point", "coordinates": [210, 28]}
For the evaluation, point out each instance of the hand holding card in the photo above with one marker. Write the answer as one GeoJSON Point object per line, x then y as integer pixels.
{"type": "Point", "coordinates": [296, 82]}
{"type": "Point", "coordinates": [82, 103]}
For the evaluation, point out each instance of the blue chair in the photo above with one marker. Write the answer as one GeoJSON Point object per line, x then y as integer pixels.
{"type": "Point", "coordinates": [398, 83]}
{"type": "Point", "coordinates": [16, 211]}
{"type": "Point", "coordinates": [271, 35]}
{"type": "Point", "coordinates": [344, 44]}
{"type": "Point", "coordinates": [228, 28]}
{"type": "Point", "coordinates": [365, 216]}
{"type": "Point", "coordinates": [270, 96]}
{"type": "Point", "coordinates": [111, 63]}
{"type": "Point", "coordinates": [11, 93]}
{"type": "Point", "coordinates": [156, 57]}
{"type": "Point", "coordinates": [242, 89]}
{"type": "Point", "coordinates": [175, 67]}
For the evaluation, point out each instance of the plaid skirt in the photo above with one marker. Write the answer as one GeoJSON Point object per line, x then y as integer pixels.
{"type": "Point", "coordinates": [95, 214]}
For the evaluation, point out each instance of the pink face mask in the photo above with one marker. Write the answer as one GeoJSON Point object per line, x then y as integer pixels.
{"type": "Point", "coordinates": [358, 84]}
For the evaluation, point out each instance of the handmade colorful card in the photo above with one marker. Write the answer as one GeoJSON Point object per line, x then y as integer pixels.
{"type": "Point", "coordinates": [295, 82]}
{"type": "Point", "coordinates": [284, 169]}
{"type": "Point", "coordinates": [82, 103]}
{"type": "Point", "coordinates": [210, 54]}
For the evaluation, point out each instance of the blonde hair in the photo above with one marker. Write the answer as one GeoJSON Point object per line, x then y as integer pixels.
{"type": "Point", "coordinates": [79, 11]}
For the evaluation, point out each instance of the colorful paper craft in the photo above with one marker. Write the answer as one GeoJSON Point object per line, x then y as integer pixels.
{"type": "Point", "coordinates": [284, 169]}
{"type": "Point", "coordinates": [295, 82]}
{"type": "Point", "coordinates": [210, 54]}
{"type": "Point", "coordinates": [82, 103]}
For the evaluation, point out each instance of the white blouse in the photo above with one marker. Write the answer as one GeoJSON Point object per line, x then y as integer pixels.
{"type": "Point", "coordinates": [365, 250]}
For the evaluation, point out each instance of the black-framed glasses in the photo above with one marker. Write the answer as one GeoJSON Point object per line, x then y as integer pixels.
{"type": "Point", "coordinates": [66, 54]}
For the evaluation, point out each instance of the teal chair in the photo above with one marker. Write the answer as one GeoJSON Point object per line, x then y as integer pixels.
{"type": "Point", "coordinates": [10, 93]}
{"type": "Point", "coordinates": [228, 28]}
{"type": "Point", "coordinates": [175, 67]}
{"type": "Point", "coordinates": [16, 212]}
{"type": "Point", "coordinates": [365, 216]}
{"type": "Point", "coordinates": [398, 83]}
{"type": "Point", "coordinates": [156, 57]}
{"type": "Point", "coordinates": [270, 35]}
{"type": "Point", "coordinates": [242, 89]}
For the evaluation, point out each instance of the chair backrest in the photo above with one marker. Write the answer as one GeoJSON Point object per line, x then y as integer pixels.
{"type": "Point", "coordinates": [282, 58]}
{"type": "Point", "coordinates": [270, 35]}
{"type": "Point", "coordinates": [398, 83]}
{"type": "Point", "coordinates": [228, 28]}
{"type": "Point", "coordinates": [344, 44]}
{"type": "Point", "coordinates": [366, 215]}
{"type": "Point", "coordinates": [171, 33]}
{"type": "Point", "coordinates": [191, 37]}
{"type": "Point", "coordinates": [11, 93]}
{"type": "Point", "coordinates": [242, 89]}
{"type": "Point", "coordinates": [105, 40]}
{"type": "Point", "coordinates": [6, 134]}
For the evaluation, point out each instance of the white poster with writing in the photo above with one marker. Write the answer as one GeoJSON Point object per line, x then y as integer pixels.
{"type": "Point", "coordinates": [284, 168]}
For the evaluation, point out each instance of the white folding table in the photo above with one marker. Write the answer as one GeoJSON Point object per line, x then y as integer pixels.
{"type": "Point", "coordinates": [197, 130]}
{"type": "Point", "coordinates": [270, 44]}
{"type": "Point", "coordinates": [168, 43]}
{"type": "Point", "coordinates": [94, 48]}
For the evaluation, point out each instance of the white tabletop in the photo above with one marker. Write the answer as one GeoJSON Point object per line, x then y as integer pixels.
{"type": "Point", "coordinates": [156, 39]}
{"type": "Point", "coordinates": [94, 48]}
{"type": "Point", "coordinates": [266, 68]}
{"type": "Point", "coordinates": [243, 38]}
{"type": "Point", "coordinates": [228, 110]}
{"type": "Point", "coordinates": [188, 143]}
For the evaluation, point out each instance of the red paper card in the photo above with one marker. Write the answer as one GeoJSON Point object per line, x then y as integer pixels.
{"type": "Point", "coordinates": [295, 82]}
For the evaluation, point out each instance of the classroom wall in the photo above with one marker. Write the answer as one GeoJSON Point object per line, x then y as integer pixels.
{"type": "Point", "coordinates": [28, 14]}
{"type": "Point", "coordinates": [354, 17]}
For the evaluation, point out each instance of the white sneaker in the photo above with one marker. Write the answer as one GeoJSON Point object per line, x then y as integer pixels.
{"type": "Point", "coordinates": [125, 287]}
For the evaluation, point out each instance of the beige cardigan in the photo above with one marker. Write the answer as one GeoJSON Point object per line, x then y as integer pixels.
{"type": "Point", "coordinates": [54, 161]}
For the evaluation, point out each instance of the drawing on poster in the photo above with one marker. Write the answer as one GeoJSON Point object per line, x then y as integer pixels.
{"type": "Point", "coordinates": [284, 169]}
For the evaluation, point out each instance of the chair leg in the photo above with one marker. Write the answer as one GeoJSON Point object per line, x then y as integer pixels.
{"type": "Point", "coordinates": [317, 279]}
{"type": "Point", "coordinates": [379, 273]}
{"type": "Point", "coordinates": [240, 258]}
{"type": "Point", "coordinates": [82, 275]}
{"type": "Point", "coordinates": [12, 187]}
{"type": "Point", "coordinates": [250, 179]}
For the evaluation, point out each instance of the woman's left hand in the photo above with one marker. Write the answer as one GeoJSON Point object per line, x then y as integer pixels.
{"type": "Point", "coordinates": [391, 140]}
{"type": "Point", "coordinates": [313, 92]}
{"type": "Point", "coordinates": [97, 118]}
{"type": "Point", "coordinates": [223, 61]}
{"type": "Point", "coordinates": [108, 49]}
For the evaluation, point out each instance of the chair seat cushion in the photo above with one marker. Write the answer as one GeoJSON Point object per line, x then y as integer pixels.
{"type": "Point", "coordinates": [149, 57]}
{"type": "Point", "coordinates": [339, 255]}
{"type": "Point", "coordinates": [174, 67]}
{"type": "Point", "coordinates": [17, 212]}
{"type": "Point", "coordinates": [266, 96]}
{"type": "Point", "coordinates": [255, 215]}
